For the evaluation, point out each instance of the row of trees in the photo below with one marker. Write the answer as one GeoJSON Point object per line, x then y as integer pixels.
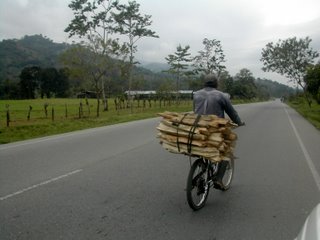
{"type": "Point", "coordinates": [51, 82]}
{"type": "Point", "coordinates": [37, 82]}
{"type": "Point", "coordinates": [292, 58]}
{"type": "Point", "coordinates": [47, 82]}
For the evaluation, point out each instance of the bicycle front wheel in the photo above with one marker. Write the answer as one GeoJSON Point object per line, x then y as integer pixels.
{"type": "Point", "coordinates": [197, 185]}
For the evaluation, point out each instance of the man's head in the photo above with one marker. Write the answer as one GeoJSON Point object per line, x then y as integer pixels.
{"type": "Point", "coordinates": [211, 81]}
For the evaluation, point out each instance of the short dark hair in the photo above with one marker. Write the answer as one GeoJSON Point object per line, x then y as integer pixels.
{"type": "Point", "coordinates": [211, 81]}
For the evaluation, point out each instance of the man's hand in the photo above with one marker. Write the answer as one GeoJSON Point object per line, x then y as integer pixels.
{"type": "Point", "coordinates": [242, 124]}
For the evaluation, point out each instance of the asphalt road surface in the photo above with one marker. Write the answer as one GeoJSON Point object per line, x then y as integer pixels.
{"type": "Point", "coordinates": [117, 182]}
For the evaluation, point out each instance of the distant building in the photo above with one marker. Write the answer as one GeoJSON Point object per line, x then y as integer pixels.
{"type": "Point", "coordinates": [151, 94]}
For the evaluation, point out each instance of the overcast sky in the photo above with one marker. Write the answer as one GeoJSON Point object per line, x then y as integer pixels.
{"type": "Point", "coordinates": [244, 27]}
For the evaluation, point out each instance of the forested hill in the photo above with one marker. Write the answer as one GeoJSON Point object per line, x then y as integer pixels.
{"type": "Point", "coordinates": [275, 89]}
{"type": "Point", "coordinates": [39, 51]}
{"type": "Point", "coordinates": [36, 50]}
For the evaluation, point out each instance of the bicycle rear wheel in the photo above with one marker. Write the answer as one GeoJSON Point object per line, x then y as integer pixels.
{"type": "Point", "coordinates": [197, 185]}
{"type": "Point", "coordinates": [228, 176]}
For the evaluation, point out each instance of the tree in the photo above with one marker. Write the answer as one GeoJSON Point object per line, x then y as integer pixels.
{"type": "Point", "coordinates": [63, 85]}
{"type": "Point", "coordinates": [53, 82]}
{"type": "Point", "coordinates": [243, 85]}
{"type": "Point", "coordinates": [48, 81]}
{"type": "Point", "coordinates": [9, 89]}
{"type": "Point", "coordinates": [94, 22]}
{"type": "Point", "coordinates": [29, 82]}
{"type": "Point", "coordinates": [263, 92]}
{"type": "Point", "coordinates": [312, 80]}
{"type": "Point", "coordinates": [225, 82]}
{"type": "Point", "coordinates": [178, 63]}
{"type": "Point", "coordinates": [85, 64]}
{"type": "Point", "coordinates": [131, 23]}
{"type": "Point", "coordinates": [290, 58]}
{"type": "Point", "coordinates": [211, 59]}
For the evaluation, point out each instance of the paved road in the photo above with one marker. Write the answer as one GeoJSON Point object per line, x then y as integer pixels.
{"type": "Point", "coordinates": [117, 182]}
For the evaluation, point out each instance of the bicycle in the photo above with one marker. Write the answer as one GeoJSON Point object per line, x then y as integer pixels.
{"type": "Point", "coordinates": [201, 178]}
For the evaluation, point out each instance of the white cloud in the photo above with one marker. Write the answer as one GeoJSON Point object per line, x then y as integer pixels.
{"type": "Point", "coordinates": [28, 17]}
{"type": "Point", "coordinates": [290, 12]}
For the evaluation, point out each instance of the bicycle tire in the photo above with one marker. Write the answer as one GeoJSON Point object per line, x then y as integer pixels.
{"type": "Point", "coordinates": [197, 185]}
{"type": "Point", "coordinates": [228, 176]}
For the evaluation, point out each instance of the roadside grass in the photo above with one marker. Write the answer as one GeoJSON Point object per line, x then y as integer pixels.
{"type": "Point", "coordinates": [66, 116]}
{"type": "Point", "coordinates": [63, 116]}
{"type": "Point", "coordinates": [311, 114]}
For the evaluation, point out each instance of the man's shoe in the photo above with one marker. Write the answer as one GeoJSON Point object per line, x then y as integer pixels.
{"type": "Point", "coordinates": [217, 184]}
{"type": "Point", "coordinates": [217, 180]}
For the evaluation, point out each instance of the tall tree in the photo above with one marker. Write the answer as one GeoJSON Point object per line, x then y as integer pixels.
{"type": "Point", "coordinates": [179, 63]}
{"type": "Point", "coordinates": [210, 60]}
{"type": "Point", "coordinates": [131, 23]}
{"type": "Point", "coordinates": [312, 80]}
{"type": "Point", "coordinates": [93, 22]}
{"type": "Point", "coordinates": [85, 64]}
{"type": "Point", "coordinates": [243, 85]}
{"type": "Point", "coordinates": [291, 58]}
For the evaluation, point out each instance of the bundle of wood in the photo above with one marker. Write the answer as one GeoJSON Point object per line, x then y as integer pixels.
{"type": "Point", "coordinates": [197, 135]}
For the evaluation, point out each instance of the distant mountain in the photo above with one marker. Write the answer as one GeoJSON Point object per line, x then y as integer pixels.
{"type": "Point", "coordinates": [36, 50]}
{"type": "Point", "coordinates": [275, 89]}
{"type": "Point", "coordinates": [155, 67]}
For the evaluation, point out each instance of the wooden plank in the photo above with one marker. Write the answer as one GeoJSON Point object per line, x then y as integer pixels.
{"type": "Point", "coordinates": [175, 139]}
{"type": "Point", "coordinates": [203, 150]}
{"type": "Point", "coordinates": [184, 127]}
{"type": "Point", "coordinates": [173, 131]}
{"type": "Point", "coordinates": [172, 149]}
{"type": "Point", "coordinates": [217, 137]}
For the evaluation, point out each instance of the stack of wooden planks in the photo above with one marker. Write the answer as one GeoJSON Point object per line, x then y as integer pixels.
{"type": "Point", "coordinates": [207, 135]}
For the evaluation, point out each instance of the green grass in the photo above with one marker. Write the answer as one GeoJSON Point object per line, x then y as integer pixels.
{"type": "Point", "coordinates": [20, 128]}
{"type": "Point", "coordinates": [40, 125]}
{"type": "Point", "coordinates": [311, 114]}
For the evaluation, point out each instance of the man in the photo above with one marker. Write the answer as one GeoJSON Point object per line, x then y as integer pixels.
{"type": "Point", "coordinates": [211, 101]}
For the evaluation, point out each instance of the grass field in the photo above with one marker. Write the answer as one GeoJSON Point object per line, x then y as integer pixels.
{"type": "Point", "coordinates": [66, 118]}
{"type": "Point", "coordinates": [311, 114]}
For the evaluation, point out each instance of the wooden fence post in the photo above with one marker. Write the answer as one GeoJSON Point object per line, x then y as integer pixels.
{"type": "Point", "coordinates": [66, 110]}
{"type": "Point", "coordinates": [8, 115]}
{"type": "Point", "coordinates": [29, 112]}
{"type": "Point", "coordinates": [52, 113]}
{"type": "Point", "coordinates": [80, 110]}
{"type": "Point", "coordinates": [46, 109]}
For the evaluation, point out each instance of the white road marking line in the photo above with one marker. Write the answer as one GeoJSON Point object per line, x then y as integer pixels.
{"type": "Point", "coordinates": [313, 170]}
{"type": "Point", "coordinates": [40, 184]}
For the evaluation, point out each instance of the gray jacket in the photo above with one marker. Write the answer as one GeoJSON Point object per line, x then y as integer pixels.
{"type": "Point", "coordinates": [211, 101]}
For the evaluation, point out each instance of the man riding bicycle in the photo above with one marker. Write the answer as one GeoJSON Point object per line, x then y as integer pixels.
{"type": "Point", "coordinates": [211, 101]}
